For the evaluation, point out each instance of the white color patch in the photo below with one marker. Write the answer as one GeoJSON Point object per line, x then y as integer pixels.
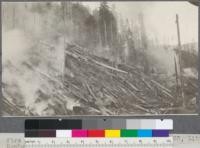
{"type": "Point", "coordinates": [63, 133]}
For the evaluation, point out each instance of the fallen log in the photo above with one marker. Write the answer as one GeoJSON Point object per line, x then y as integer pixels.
{"type": "Point", "coordinates": [147, 84]}
{"type": "Point", "coordinates": [11, 108]}
{"type": "Point", "coordinates": [109, 67]}
{"type": "Point", "coordinates": [161, 86]}
{"type": "Point", "coordinates": [90, 91]}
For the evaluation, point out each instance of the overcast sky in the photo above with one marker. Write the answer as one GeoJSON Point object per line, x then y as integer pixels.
{"type": "Point", "coordinates": [160, 18]}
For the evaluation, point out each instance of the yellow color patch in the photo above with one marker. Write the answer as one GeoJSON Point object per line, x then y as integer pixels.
{"type": "Point", "coordinates": [112, 133]}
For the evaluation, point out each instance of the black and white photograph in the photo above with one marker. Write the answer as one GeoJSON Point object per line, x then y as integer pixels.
{"type": "Point", "coordinates": [66, 58]}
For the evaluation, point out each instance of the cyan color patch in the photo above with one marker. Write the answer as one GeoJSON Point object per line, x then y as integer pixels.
{"type": "Point", "coordinates": [144, 133]}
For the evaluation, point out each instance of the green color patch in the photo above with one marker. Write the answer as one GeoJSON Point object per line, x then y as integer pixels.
{"type": "Point", "coordinates": [128, 133]}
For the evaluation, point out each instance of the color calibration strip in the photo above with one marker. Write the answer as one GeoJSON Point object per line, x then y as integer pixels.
{"type": "Point", "coordinates": [110, 133]}
{"type": "Point", "coordinates": [47, 124]}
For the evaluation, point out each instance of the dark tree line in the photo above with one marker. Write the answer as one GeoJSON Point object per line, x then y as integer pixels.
{"type": "Point", "coordinates": [100, 29]}
{"type": "Point", "coordinates": [91, 29]}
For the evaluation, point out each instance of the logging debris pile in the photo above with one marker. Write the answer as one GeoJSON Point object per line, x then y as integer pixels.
{"type": "Point", "coordinates": [93, 85]}
{"type": "Point", "coordinates": [108, 88]}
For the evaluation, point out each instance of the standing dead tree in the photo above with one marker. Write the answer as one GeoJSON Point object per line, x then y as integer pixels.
{"type": "Point", "coordinates": [180, 62]}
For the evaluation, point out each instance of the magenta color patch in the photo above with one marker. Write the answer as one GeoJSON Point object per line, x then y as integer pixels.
{"type": "Point", "coordinates": [79, 133]}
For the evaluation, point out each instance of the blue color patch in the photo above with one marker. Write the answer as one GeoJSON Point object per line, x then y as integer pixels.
{"type": "Point", "coordinates": [144, 133]}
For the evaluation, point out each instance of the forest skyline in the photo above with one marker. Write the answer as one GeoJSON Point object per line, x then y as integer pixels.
{"type": "Point", "coordinates": [164, 30]}
{"type": "Point", "coordinates": [163, 11]}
